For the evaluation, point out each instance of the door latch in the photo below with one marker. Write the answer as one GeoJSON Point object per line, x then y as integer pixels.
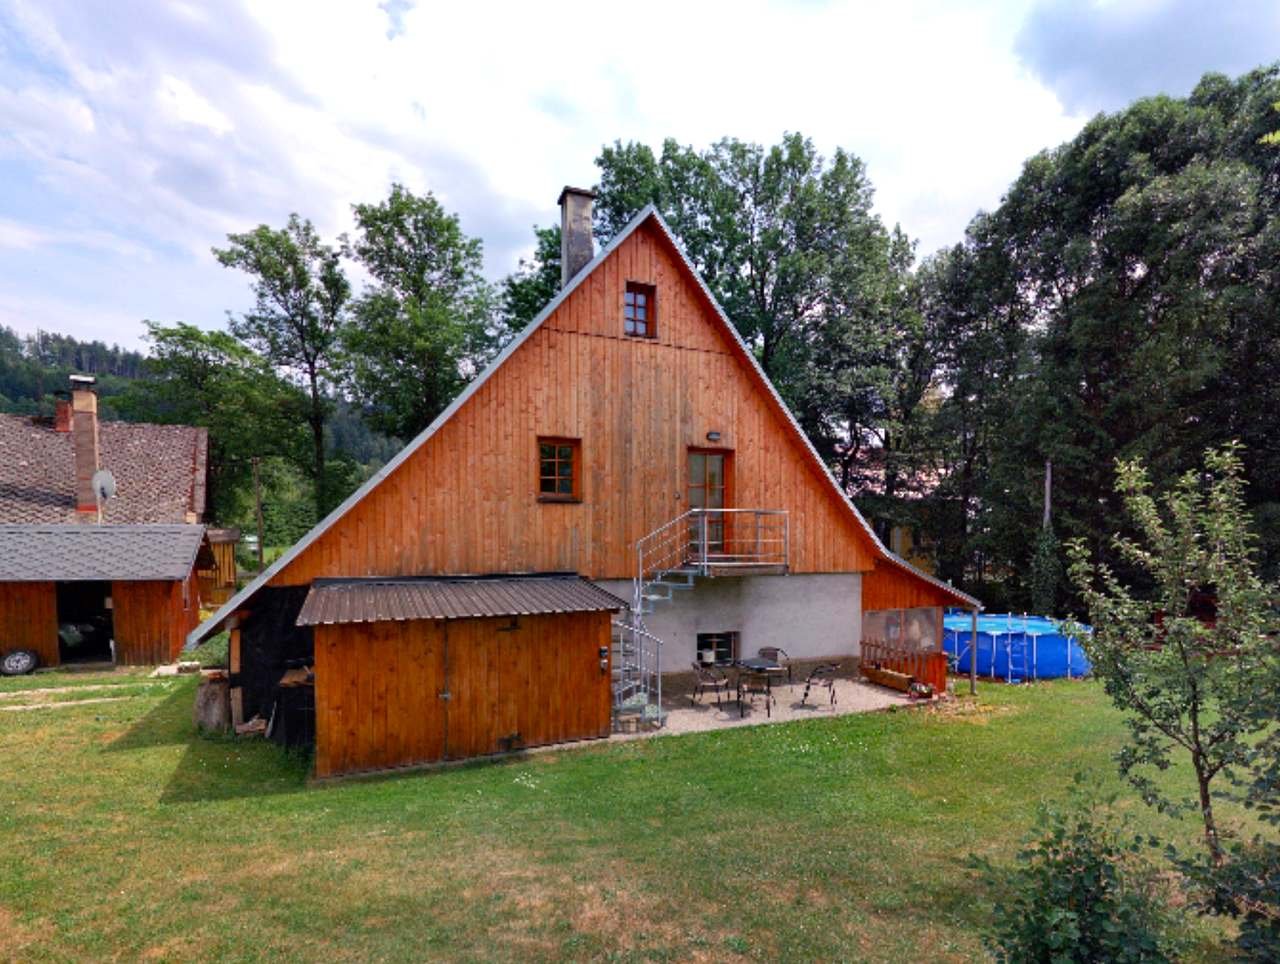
{"type": "Point", "coordinates": [446, 695]}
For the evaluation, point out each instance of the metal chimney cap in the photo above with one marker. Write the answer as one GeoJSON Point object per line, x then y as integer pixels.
{"type": "Point", "coordinates": [83, 380]}
{"type": "Point", "coordinates": [584, 192]}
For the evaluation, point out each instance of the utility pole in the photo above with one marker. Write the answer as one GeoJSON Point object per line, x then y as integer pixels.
{"type": "Point", "coordinates": [257, 500]}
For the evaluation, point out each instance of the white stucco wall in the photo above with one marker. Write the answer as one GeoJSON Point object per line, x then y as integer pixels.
{"type": "Point", "coordinates": [810, 616]}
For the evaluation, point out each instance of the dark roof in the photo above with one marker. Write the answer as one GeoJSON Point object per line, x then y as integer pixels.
{"type": "Point", "coordinates": [381, 600]}
{"type": "Point", "coordinates": [79, 553]}
{"type": "Point", "coordinates": [159, 472]}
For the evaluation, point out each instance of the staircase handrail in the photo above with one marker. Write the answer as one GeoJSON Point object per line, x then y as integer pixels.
{"type": "Point", "coordinates": [648, 547]}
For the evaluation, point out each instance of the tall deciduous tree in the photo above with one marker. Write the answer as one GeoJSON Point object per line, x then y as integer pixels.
{"type": "Point", "coordinates": [301, 296]}
{"type": "Point", "coordinates": [208, 378]}
{"type": "Point", "coordinates": [533, 284]}
{"type": "Point", "coordinates": [424, 325]}
{"type": "Point", "coordinates": [1119, 303]}
{"type": "Point", "coordinates": [785, 238]}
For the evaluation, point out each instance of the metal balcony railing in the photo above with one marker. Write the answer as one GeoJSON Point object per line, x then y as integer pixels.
{"type": "Point", "coordinates": [710, 541]}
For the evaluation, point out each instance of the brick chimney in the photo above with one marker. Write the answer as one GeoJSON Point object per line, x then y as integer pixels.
{"type": "Point", "coordinates": [575, 232]}
{"type": "Point", "coordinates": [62, 414]}
{"type": "Point", "coordinates": [84, 440]}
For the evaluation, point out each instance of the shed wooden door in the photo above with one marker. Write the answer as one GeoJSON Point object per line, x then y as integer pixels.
{"type": "Point", "coordinates": [526, 682]}
{"type": "Point", "coordinates": [378, 691]}
{"type": "Point", "coordinates": [397, 694]}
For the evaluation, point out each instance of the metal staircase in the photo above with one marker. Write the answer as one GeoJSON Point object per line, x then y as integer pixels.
{"type": "Point", "coordinates": [670, 559]}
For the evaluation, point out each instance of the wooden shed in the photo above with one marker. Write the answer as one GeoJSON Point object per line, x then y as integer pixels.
{"type": "Point", "coordinates": [415, 671]}
{"type": "Point", "coordinates": [84, 593]}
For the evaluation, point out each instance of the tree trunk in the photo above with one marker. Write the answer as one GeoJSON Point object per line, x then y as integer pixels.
{"type": "Point", "coordinates": [1206, 812]}
{"type": "Point", "coordinates": [316, 420]}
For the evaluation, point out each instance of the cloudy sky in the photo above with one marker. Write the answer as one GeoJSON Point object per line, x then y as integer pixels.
{"type": "Point", "coordinates": [134, 135]}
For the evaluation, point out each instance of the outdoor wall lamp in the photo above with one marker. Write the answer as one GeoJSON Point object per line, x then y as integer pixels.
{"type": "Point", "coordinates": [713, 436]}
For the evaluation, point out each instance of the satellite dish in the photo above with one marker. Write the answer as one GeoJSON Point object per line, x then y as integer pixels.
{"type": "Point", "coordinates": [104, 485]}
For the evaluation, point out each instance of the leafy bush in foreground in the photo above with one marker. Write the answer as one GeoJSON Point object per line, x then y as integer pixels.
{"type": "Point", "coordinates": [1080, 892]}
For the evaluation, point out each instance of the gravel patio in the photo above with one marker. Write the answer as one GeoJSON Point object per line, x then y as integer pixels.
{"type": "Point", "coordinates": [685, 715]}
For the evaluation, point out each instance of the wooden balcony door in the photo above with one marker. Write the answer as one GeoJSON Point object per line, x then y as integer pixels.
{"type": "Point", "coordinates": [709, 488]}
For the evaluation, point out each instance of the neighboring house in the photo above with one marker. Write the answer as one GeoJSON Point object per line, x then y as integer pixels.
{"type": "Point", "coordinates": [906, 542]}
{"type": "Point", "coordinates": [84, 580]}
{"type": "Point", "coordinates": [904, 539]}
{"type": "Point", "coordinates": [218, 578]}
{"type": "Point", "coordinates": [624, 454]}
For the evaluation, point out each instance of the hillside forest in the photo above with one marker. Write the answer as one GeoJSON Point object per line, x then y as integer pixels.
{"type": "Point", "coordinates": [1119, 302]}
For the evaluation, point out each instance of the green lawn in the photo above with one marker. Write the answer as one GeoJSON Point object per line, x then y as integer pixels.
{"type": "Point", "coordinates": [123, 835]}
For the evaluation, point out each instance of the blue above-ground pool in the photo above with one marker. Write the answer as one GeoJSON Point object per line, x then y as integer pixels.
{"type": "Point", "coordinates": [1014, 648]}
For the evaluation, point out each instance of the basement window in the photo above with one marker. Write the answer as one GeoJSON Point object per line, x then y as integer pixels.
{"type": "Point", "coordinates": [717, 648]}
{"type": "Point", "coordinates": [639, 317]}
{"type": "Point", "coordinates": [559, 470]}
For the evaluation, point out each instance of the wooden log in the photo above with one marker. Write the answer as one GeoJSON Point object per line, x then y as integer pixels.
{"type": "Point", "coordinates": [212, 711]}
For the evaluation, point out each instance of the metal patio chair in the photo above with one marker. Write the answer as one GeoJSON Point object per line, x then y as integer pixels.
{"type": "Point", "coordinates": [707, 679]}
{"type": "Point", "coordinates": [753, 683]}
{"type": "Point", "coordinates": [778, 655]}
{"type": "Point", "coordinates": [823, 674]}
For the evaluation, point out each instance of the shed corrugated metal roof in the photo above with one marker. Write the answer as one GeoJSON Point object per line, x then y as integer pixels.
{"type": "Point", "coordinates": [84, 553]}
{"type": "Point", "coordinates": [383, 600]}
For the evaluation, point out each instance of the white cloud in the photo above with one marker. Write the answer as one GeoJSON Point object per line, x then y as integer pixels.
{"type": "Point", "coordinates": [183, 104]}
{"type": "Point", "coordinates": [26, 237]}
{"type": "Point", "coordinates": [166, 126]}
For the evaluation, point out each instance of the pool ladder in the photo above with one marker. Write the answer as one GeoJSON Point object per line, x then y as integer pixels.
{"type": "Point", "coordinates": [1019, 660]}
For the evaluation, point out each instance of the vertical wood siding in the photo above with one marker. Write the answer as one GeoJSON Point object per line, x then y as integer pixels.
{"type": "Point", "coordinates": [466, 501]}
{"type": "Point", "coordinates": [891, 587]}
{"type": "Point", "coordinates": [378, 688]}
{"type": "Point", "coordinates": [224, 557]}
{"type": "Point", "coordinates": [150, 620]}
{"type": "Point", "coordinates": [29, 619]}
{"type": "Point", "coordinates": [218, 581]}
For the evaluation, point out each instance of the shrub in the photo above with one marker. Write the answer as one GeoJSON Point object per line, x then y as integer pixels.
{"type": "Point", "coordinates": [1079, 892]}
{"type": "Point", "coordinates": [1247, 887]}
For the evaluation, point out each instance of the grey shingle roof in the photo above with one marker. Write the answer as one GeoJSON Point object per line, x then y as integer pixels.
{"type": "Point", "coordinates": [159, 471]}
{"type": "Point", "coordinates": [381, 600]}
{"type": "Point", "coordinates": [76, 553]}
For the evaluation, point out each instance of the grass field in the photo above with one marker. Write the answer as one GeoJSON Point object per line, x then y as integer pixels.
{"type": "Point", "coordinates": [124, 835]}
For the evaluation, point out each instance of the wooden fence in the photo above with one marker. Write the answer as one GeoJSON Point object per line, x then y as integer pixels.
{"type": "Point", "coordinates": [926, 667]}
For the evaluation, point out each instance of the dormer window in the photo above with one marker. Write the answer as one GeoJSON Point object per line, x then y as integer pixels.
{"type": "Point", "coordinates": [639, 317]}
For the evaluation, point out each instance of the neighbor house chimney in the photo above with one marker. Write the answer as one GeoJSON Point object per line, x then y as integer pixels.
{"type": "Point", "coordinates": [62, 415]}
{"type": "Point", "coordinates": [84, 440]}
{"type": "Point", "coordinates": [575, 232]}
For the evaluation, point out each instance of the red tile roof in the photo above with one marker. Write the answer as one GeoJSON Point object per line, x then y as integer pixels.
{"type": "Point", "coordinates": [159, 472]}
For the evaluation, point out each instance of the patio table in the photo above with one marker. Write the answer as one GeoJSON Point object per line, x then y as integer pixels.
{"type": "Point", "coordinates": [758, 669]}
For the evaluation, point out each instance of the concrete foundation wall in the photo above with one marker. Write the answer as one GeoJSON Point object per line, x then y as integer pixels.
{"type": "Point", "coordinates": [810, 616]}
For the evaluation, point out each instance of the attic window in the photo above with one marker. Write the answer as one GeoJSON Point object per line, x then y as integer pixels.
{"type": "Point", "coordinates": [559, 470]}
{"type": "Point", "coordinates": [639, 317]}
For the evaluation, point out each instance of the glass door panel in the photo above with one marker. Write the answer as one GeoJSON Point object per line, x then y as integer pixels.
{"type": "Point", "coordinates": [708, 490]}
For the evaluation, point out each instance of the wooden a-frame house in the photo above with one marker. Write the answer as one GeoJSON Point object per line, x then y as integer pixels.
{"type": "Point", "coordinates": [621, 493]}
